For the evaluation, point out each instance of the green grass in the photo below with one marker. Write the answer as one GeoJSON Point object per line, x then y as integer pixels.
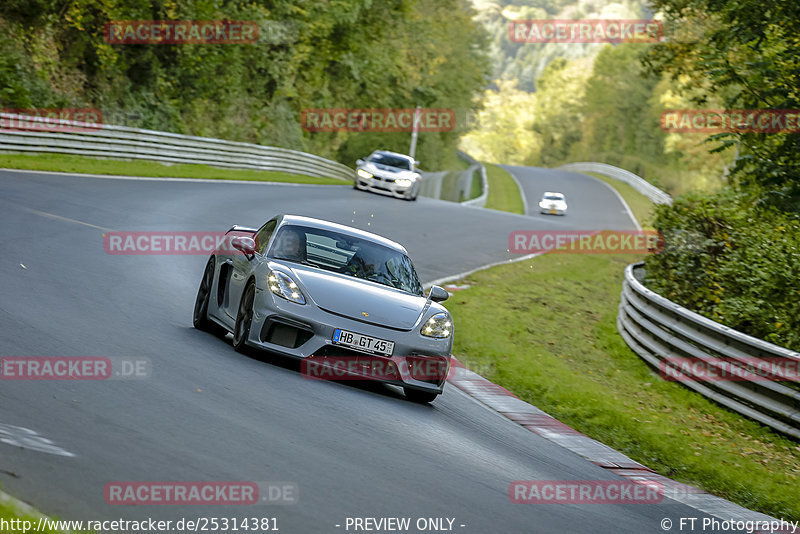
{"type": "Point", "coordinates": [641, 206]}
{"type": "Point", "coordinates": [10, 510]}
{"type": "Point", "coordinates": [476, 186]}
{"type": "Point", "coordinates": [451, 190]}
{"type": "Point", "coordinates": [461, 164]}
{"type": "Point", "coordinates": [89, 165]}
{"type": "Point", "coordinates": [450, 162]}
{"type": "Point", "coordinates": [546, 330]}
{"type": "Point", "coordinates": [504, 195]}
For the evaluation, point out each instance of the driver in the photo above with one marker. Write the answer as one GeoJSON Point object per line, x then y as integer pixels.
{"type": "Point", "coordinates": [368, 262]}
{"type": "Point", "coordinates": [291, 245]}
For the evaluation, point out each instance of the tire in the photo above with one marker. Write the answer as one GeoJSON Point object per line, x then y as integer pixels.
{"type": "Point", "coordinates": [244, 318]}
{"type": "Point", "coordinates": [200, 318]}
{"type": "Point", "coordinates": [422, 397]}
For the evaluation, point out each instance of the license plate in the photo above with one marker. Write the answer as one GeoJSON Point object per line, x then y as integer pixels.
{"type": "Point", "coordinates": [363, 343]}
{"type": "Point", "coordinates": [552, 211]}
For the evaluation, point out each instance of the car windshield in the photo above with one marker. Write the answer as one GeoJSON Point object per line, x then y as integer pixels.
{"type": "Point", "coordinates": [554, 197]}
{"type": "Point", "coordinates": [391, 161]}
{"type": "Point", "coordinates": [346, 254]}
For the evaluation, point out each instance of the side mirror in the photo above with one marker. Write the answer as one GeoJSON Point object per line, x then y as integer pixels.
{"type": "Point", "coordinates": [360, 162]}
{"type": "Point", "coordinates": [438, 294]}
{"type": "Point", "coordinates": [246, 245]}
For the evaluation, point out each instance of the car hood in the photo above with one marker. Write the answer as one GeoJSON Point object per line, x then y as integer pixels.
{"type": "Point", "coordinates": [352, 298]}
{"type": "Point", "coordinates": [557, 204]}
{"type": "Point", "coordinates": [385, 170]}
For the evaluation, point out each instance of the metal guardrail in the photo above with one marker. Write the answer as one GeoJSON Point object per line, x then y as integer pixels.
{"type": "Point", "coordinates": [38, 134]}
{"type": "Point", "coordinates": [431, 185]}
{"type": "Point", "coordinates": [656, 328]}
{"type": "Point", "coordinates": [461, 187]}
{"type": "Point", "coordinates": [479, 201]}
{"type": "Point", "coordinates": [640, 184]}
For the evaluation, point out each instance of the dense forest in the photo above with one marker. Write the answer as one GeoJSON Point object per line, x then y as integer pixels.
{"type": "Point", "coordinates": [310, 54]}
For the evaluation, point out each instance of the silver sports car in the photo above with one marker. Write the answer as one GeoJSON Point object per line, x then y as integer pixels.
{"type": "Point", "coordinates": [345, 301]}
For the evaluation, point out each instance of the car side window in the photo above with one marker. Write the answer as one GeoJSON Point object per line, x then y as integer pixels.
{"type": "Point", "coordinates": [263, 235]}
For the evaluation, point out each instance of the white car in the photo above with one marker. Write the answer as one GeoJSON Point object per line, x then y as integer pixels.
{"type": "Point", "coordinates": [553, 203]}
{"type": "Point", "coordinates": [389, 173]}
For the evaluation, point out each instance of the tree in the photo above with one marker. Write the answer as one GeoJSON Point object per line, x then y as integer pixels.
{"type": "Point", "coordinates": [745, 52]}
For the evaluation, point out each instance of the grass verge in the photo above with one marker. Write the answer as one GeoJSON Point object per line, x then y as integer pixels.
{"type": "Point", "coordinates": [476, 186]}
{"type": "Point", "coordinates": [551, 339]}
{"type": "Point", "coordinates": [451, 189]}
{"type": "Point", "coordinates": [504, 194]}
{"type": "Point", "coordinates": [89, 165]}
{"type": "Point", "coordinates": [12, 511]}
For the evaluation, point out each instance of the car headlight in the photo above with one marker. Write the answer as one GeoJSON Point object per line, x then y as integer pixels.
{"type": "Point", "coordinates": [283, 286]}
{"type": "Point", "coordinates": [364, 174]}
{"type": "Point", "coordinates": [438, 326]}
{"type": "Point", "coordinates": [403, 182]}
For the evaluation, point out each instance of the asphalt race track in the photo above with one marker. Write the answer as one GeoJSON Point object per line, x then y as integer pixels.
{"type": "Point", "coordinates": [208, 413]}
{"type": "Point", "coordinates": [592, 204]}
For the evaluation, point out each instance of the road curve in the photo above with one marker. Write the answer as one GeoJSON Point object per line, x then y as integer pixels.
{"type": "Point", "coordinates": [210, 414]}
{"type": "Point", "coordinates": [593, 204]}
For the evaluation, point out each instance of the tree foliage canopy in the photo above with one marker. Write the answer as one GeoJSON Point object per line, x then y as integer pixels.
{"type": "Point", "coordinates": [311, 54]}
{"type": "Point", "coordinates": [747, 53]}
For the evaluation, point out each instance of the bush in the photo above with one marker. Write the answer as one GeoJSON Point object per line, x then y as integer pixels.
{"type": "Point", "coordinates": [732, 262]}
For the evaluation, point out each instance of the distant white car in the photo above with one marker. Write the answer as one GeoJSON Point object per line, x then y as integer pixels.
{"type": "Point", "coordinates": [553, 203]}
{"type": "Point", "coordinates": [389, 173]}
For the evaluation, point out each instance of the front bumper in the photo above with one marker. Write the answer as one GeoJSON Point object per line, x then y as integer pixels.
{"type": "Point", "coordinates": [552, 211]}
{"type": "Point", "coordinates": [385, 185]}
{"type": "Point", "coordinates": [305, 331]}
